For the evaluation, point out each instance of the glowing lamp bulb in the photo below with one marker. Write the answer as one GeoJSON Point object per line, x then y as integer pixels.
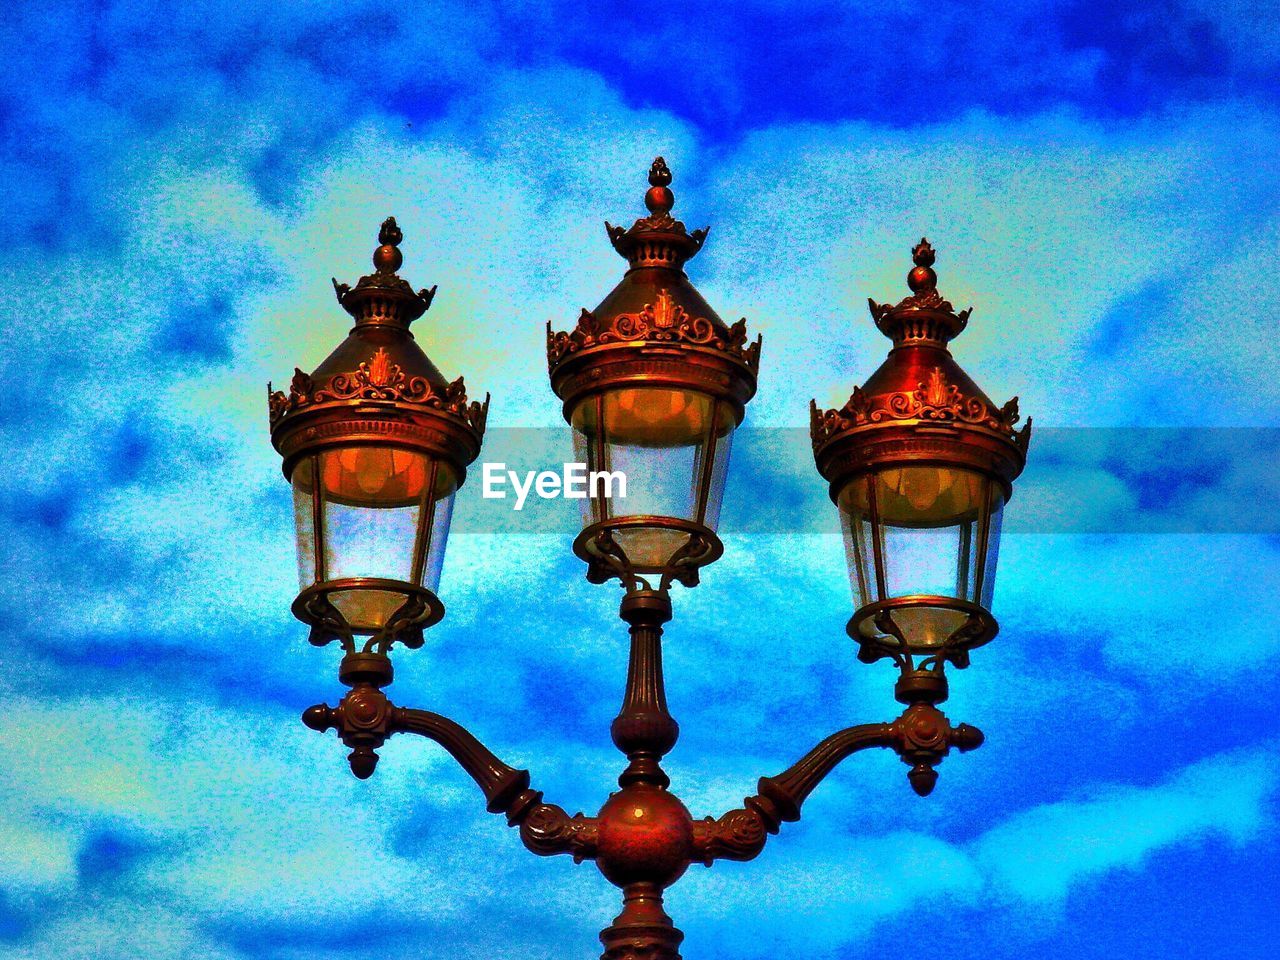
{"type": "Point", "coordinates": [376, 476]}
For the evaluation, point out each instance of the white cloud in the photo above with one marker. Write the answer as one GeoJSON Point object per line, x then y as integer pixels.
{"type": "Point", "coordinates": [823, 885]}
{"type": "Point", "coordinates": [1042, 224]}
{"type": "Point", "coordinates": [1040, 854]}
{"type": "Point", "coordinates": [1165, 607]}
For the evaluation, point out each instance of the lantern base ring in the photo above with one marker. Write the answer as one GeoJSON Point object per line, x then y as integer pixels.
{"type": "Point", "coordinates": [879, 635]}
{"type": "Point", "coordinates": [607, 558]}
{"type": "Point", "coordinates": [419, 610]}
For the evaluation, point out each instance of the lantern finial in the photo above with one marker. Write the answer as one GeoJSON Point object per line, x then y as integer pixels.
{"type": "Point", "coordinates": [659, 199]}
{"type": "Point", "coordinates": [925, 316]}
{"type": "Point", "coordinates": [922, 278]}
{"type": "Point", "coordinates": [658, 240]}
{"type": "Point", "coordinates": [383, 297]}
{"type": "Point", "coordinates": [390, 232]}
{"type": "Point", "coordinates": [388, 258]}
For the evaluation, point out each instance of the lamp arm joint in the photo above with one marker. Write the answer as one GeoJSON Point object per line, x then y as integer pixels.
{"type": "Point", "coordinates": [545, 828]}
{"type": "Point", "coordinates": [365, 718]}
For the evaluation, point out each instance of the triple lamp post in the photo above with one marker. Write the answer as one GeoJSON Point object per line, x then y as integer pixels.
{"type": "Point", "coordinates": [376, 442]}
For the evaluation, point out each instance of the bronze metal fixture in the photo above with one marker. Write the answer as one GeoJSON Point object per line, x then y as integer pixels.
{"type": "Point", "coordinates": [375, 442]}
{"type": "Point", "coordinates": [918, 452]}
{"type": "Point", "coordinates": [920, 464]}
{"type": "Point", "coordinates": [654, 384]}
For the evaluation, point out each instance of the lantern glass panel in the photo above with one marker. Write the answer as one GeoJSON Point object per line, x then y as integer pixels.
{"type": "Point", "coordinates": [920, 531]}
{"type": "Point", "coordinates": [673, 448]}
{"type": "Point", "coordinates": [304, 516]}
{"type": "Point", "coordinates": [384, 514]}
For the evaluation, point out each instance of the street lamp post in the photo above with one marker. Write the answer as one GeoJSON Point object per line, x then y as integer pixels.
{"type": "Point", "coordinates": [376, 443]}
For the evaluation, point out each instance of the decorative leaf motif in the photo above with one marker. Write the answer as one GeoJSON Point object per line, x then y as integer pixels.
{"type": "Point", "coordinates": [664, 312]}
{"type": "Point", "coordinates": [380, 367]}
{"type": "Point", "coordinates": [936, 392]}
{"type": "Point", "coordinates": [738, 334]}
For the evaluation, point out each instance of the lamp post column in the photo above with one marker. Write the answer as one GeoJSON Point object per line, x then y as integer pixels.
{"type": "Point", "coordinates": [646, 833]}
{"type": "Point", "coordinates": [644, 729]}
{"type": "Point", "coordinates": [642, 931]}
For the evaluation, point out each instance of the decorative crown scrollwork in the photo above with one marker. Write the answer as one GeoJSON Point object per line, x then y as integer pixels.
{"type": "Point", "coordinates": [925, 300]}
{"type": "Point", "coordinates": [377, 378]}
{"type": "Point", "coordinates": [664, 320]}
{"type": "Point", "coordinates": [387, 283]}
{"type": "Point", "coordinates": [384, 296]}
{"type": "Point", "coordinates": [934, 399]}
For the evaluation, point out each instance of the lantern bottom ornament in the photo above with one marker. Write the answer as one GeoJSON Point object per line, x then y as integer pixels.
{"type": "Point", "coordinates": [402, 610]}
{"type": "Point", "coordinates": [611, 548]}
{"type": "Point", "coordinates": [883, 630]}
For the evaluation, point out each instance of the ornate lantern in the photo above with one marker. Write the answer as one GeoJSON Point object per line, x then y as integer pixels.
{"type": "Point", "coordinates": [654, 384]}
{"type": "Point", "coordinates": [920, 464]}
{"type": "Point", "coordinates": [375, 443]}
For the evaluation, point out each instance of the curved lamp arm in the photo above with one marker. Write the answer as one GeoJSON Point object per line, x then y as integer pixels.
{"type": "Point", "coordinates": [921, 736]}
{"type": "Point", "coordinates": [365, 718]}
{"type": "Point", "coordinates": [502, 785]}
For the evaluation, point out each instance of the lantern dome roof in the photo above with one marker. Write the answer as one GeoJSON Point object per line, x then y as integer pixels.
{"type": "Point", "coordinates": [378, 375]}
{"type": "Point", "coordinates": [919, 397]}
{"type": "Point", "coordinates": [655, 310]}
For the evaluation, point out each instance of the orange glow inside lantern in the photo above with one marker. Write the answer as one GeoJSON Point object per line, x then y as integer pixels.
{"type": "Point", "coordinates": [380, 514]}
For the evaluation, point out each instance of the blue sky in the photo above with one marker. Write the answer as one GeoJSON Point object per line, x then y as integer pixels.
{"type": "Point", "coordinates": [183, 182]}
